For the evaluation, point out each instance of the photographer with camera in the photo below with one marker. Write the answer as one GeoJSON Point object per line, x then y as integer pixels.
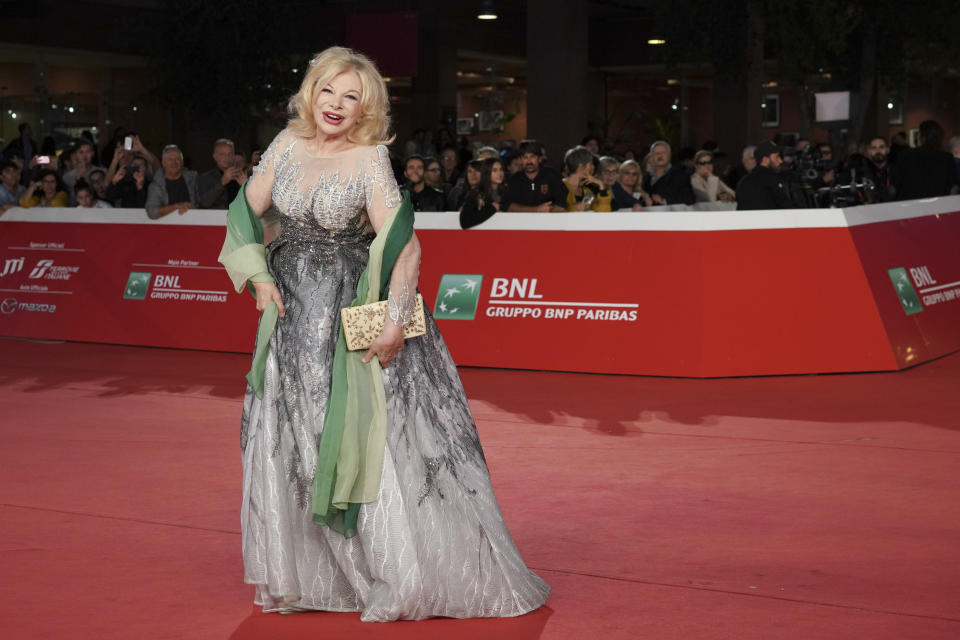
{"type": "Point", "coordinates": [763, 187]}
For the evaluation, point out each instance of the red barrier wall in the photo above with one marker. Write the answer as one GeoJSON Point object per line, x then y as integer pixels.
{"type": "Point", "coordinates": [669, 293]}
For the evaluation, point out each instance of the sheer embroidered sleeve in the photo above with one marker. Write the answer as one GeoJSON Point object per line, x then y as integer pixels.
{"type": "Point", "coordinates": [260, 185]}
{"type": "Point", "coordinates": [383, 197]}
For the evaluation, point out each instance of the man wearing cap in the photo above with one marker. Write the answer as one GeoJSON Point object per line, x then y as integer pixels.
{"type": "Point", "coordinates": [763, 188]}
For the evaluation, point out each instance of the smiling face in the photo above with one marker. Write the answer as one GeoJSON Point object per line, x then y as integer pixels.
{"type": "Point", "coordinates": [336, 107]}
{"type": "Point", "coordinates": [414, 171]}
{"type": "Point", "coordinates": [172, 163]}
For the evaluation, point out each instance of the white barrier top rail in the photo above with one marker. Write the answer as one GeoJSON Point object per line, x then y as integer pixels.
{"type": "Point", "coordinates": [572, 221]}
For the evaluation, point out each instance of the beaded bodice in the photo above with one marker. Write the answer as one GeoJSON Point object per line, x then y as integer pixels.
{"type": "Point", "coordinates": [328, 194]}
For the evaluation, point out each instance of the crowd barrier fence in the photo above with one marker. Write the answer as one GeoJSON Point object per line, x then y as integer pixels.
{"type": "Point", "coordinates": [674, 293]}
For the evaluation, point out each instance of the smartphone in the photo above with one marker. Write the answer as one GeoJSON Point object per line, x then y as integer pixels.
{"type": "Point", "coordinates": [43, 159]}
{"type": "Point", "coordinates": [128, 143]}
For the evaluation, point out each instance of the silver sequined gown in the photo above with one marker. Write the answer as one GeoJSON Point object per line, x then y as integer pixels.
{"type": "Point", "coordinates": [434, 542]}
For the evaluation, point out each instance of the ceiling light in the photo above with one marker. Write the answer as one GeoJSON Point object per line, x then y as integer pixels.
{"type": "Point", "coordinates": [656, 41]}
{"type": "Point", "coordinates": [486, 11]}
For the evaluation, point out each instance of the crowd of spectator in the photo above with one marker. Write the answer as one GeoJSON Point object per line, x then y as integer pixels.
{"type": "Point", "coordinates": [478, 181]}
{"type": "Point", "coordinates": [769, 175]}
{"type": "Point", "coordinates": [133, 178]}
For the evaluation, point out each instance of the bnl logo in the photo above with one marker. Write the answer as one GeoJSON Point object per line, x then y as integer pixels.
{"type": "Point", "coordinates": [12, 265]}
{"type": "Point", "coordinates": [458, 296]}
{"type": "Point", "coordinates": [909, 299]}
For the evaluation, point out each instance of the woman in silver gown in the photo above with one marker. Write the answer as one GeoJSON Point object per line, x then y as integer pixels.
{"type": "Point", "coordinates": [434, 542]}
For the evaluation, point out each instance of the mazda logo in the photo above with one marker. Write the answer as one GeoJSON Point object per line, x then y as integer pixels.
{"type": "Point", "coordinates": [8, 306]}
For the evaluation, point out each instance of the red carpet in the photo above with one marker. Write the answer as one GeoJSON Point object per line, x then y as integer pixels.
{"type": "Point", "coordinates": [812, 507]}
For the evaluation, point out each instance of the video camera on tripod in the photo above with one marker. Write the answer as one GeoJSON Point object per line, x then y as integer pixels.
{"type": "Point", "coordinates": [809, 188]}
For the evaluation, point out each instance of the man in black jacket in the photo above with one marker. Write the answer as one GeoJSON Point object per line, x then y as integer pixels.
{"type": "Point", "coordinates": [668, 184]}
{"type": "Point", "coordinates": [422, 196]}
{"type": "Point", "coordinates": [927, 171]}
{"type": "Point", "coordinates": [763, 188]}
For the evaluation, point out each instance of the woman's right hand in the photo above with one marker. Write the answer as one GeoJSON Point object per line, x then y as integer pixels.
{"type": "Point", "coordinates": [267, 292]}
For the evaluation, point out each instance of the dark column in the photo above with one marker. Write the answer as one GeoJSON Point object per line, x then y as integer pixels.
{"type": "Point", "coordinates": [435, 86]}
{"type": "Point", "coordinates": [557, 84]}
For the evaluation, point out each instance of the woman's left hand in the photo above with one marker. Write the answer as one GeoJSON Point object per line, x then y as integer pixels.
{"type": "Point", "coordinates": [387, 346]}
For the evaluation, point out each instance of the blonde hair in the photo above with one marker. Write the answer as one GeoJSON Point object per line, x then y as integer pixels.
{"type": "Point", "coordinates": [626, 164]}
{"type": "Point", "coordinates": [373, 124]}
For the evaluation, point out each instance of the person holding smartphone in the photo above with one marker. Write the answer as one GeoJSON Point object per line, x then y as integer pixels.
{"type": "Point", "coordinates": [219, 186]}
{"type": "Point", "coordinates": [128, 186]}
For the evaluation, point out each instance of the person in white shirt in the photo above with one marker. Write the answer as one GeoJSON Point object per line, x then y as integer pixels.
{"type": "Point", "coordinates": [706, 186]}
{"type": "Point", "coordinates": [87, 199]}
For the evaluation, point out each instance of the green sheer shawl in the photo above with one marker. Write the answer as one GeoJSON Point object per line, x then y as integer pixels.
{"type": "Point", "coordinates": [350, 456]}
{"type": "Point", "coordinates": [245, 259]}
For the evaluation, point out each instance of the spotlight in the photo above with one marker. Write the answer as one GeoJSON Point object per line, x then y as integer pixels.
{"type": "Point", "coordinates": [486, 12]}
{"type": "Point", "coordinates": [890, 106]}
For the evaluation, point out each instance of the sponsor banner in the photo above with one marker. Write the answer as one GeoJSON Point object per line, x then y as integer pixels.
{"type": "Point", "coordinates": [127, 284]}
{"type": "Point", "coordinates": [706, 295]}
{"type": "Point", "coordinates": [913, 266]}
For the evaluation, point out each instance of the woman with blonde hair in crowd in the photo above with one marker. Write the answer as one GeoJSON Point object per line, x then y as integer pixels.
{"type": "Point", "coordinates": [627, 191]}
{"type": "Point", "coordinates": [706, 186]}
{"type": "Point", "coordinates": [364, 483]}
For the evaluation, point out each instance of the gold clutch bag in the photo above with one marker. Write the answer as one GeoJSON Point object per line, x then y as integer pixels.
{"type": "Point", "coordinates": [362, 325]}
